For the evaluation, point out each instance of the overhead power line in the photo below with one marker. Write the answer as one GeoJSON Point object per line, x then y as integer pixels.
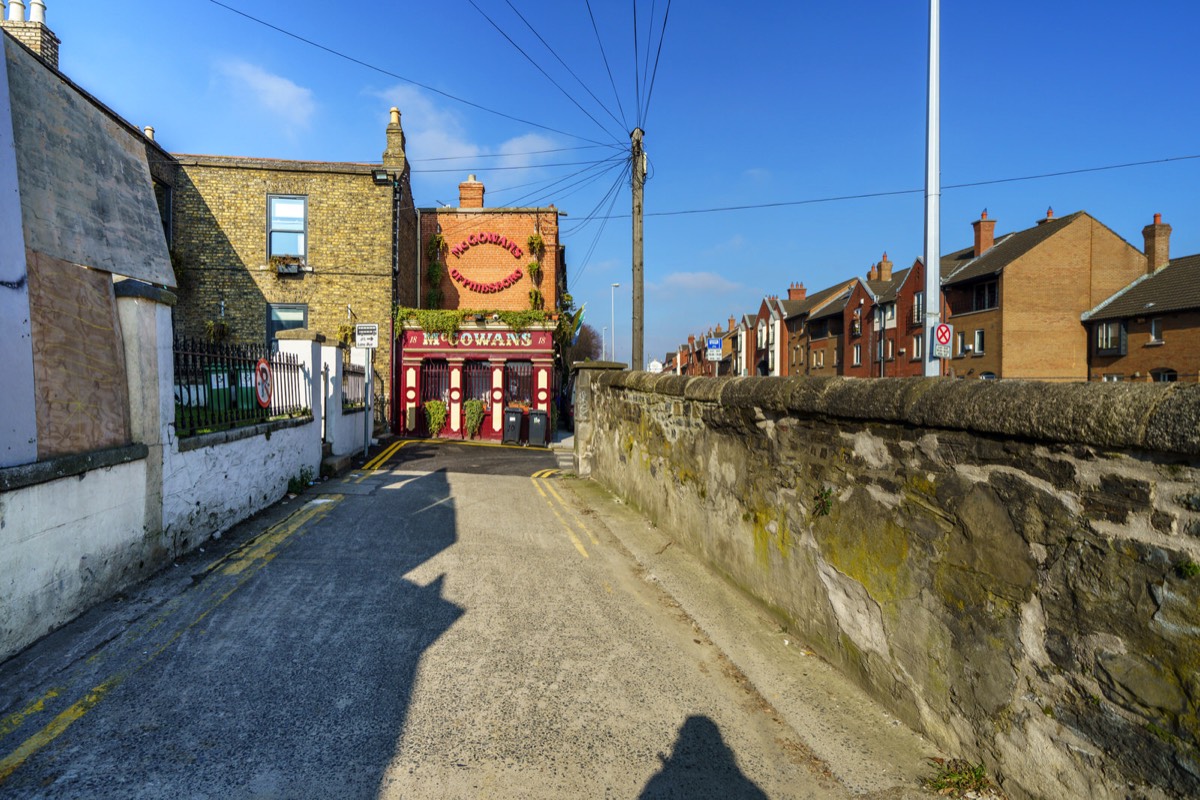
{"type": "Point", "coordinates": [510, 167]}
{"type": "Point", "coordinates": [538, 66]}
{"type": "Point", "coordinates": [506, 155]}
{"type": "Point", "coordinates": [578, 80]}
{"type": "Point", "coordinates": [390, 74]}
{"type": "Point", "coordinates": [604, 56]}
{"type": "Point", "coordinates": [868, 195]}
{"type": "Point", "coordinates": [662, 32]}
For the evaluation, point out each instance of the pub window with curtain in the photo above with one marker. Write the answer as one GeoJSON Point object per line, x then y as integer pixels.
{"type": "Point", "coordinates": [287, 224]}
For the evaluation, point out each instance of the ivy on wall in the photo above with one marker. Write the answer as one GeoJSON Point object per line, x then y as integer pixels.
{"type": "Point", "coordinates": [448, 321]}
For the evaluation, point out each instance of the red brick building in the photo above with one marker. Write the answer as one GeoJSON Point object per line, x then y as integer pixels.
{"type": "Point", "coordinates": [1150, 329]}
{"type": "Point", "coordinates": [485, 263]}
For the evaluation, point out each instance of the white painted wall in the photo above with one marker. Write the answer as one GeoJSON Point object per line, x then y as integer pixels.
{"type": "Point", "coordinates": [18, 425]}
{"type": "Point", "coordinates": [68, 544]}
{"type": "Point", "coordinates": [343, 432]}
{"type": "Point", "coordinates": [211, 489]}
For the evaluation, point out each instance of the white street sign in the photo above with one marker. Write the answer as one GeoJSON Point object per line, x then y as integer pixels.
{"type": "Point", "coordinates": [943, 334]}
{"type": "Point", "coordinates": [366, 335]}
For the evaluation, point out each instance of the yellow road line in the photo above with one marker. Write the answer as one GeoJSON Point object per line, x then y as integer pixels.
{"type": "Point", "coordinates": [15, 720]}
{"type": "Point", "coordinates": [545, 473]}
{"type": "Point", "coordinates": [574, 539]}
{"type": "Point", "coordinates": [381, 459]}
{"type": "Point", "coordinates": [10, 763]}
{"type": "Point", "coordinates": [571, 511]}
{"type": "Point", "coordinates": [244, 562]}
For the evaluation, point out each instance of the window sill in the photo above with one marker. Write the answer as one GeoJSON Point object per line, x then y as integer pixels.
{"type": "Point", "coordinates": [1155, 343]}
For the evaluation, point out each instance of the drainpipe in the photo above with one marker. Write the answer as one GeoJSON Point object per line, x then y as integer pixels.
{"type": "Point", "coordinates": [418, 255]}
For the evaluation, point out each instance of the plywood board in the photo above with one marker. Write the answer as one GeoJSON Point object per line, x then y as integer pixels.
{"type": "Point", "coordinates": [80, 388]}
{"type": "Point", "coordinates": [86, 192]}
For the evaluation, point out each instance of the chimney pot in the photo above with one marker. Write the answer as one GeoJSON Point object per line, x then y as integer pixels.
{"type": "Point", "coordinates": [1050, 213]}
{"type": "Point", "coordinates": [1158, 219]}
{"type": "Point", "coordinates": [37, 11]}
{"type": "Point", "coordinates": [395, 116]}
{"type": "Point", "coordinates": [16, 11]}
{"type": "Point", "coordinates": [149, 131]}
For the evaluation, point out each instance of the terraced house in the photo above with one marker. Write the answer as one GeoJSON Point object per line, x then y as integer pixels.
{"type": "Point", "coordinates": [1150, 329]}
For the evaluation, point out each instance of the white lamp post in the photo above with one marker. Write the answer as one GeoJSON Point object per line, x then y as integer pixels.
{"type": "Point", "coordinates": [613, 310]}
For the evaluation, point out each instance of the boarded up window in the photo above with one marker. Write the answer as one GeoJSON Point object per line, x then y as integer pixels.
{"type": "Point", "coordinates": [80, 388]}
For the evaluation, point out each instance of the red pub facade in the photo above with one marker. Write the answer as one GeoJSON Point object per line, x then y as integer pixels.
{"type": "Point", "coordinates": [491, 261]}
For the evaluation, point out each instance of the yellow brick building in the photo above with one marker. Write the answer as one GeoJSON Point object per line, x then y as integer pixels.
{"type": "Point", "coordinates": [263, 245]}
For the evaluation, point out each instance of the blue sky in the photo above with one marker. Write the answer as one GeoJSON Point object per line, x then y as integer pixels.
{"type": "Point", "coordinates": [752, 104]}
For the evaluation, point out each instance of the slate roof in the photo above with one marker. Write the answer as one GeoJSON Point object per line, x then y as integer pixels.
{"type": "Point", "coordinates": [833, 308]}
{"type": "Point", "coordinates": [793, 308]}
{"type": "Point", "coordinates": [962, 266]}
{"type": "Point", "coordinates": [891, 290]}
{"type": "Point", "coordinates": [1175, 287]}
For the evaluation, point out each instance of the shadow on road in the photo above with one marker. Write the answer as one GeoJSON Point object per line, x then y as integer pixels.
{"type": "Point", "coordinates": [700, 765]}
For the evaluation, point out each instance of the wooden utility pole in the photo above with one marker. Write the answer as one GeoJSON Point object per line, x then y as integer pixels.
{"type": "Point", "coordinates": [639, 181]}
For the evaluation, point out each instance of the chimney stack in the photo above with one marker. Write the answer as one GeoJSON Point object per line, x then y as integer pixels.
{"type": "Point", "coordinates": [985, 233]}
{"type": "Point", "coordinates": [1158, 244]}
{"type": "Point", "coordinates": [795, 292]}
{"type": "Point", "coordinates": [394, 158]}
{"type": "Point", "coordinates": [873, 273]}
{"type": "Point", "coordinates": [732, 323]}
{"type": "Point", "coordinates": [33, 34]}
{"type": "Point", "coordinates": [470, 193]}
{"type": "Point", "coordinates": [1049, 216]}
{"type": "Point", "coordinates": [885, 268]}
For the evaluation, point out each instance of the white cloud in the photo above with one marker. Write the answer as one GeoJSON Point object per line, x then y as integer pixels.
{"type": "Point", "coordinates": [695, 282]}
{"type": "Point", "coordinates": [281, 98]}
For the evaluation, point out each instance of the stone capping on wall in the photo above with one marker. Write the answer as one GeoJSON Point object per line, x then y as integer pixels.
{"type": "Point", "coordinates": [1134, 416]}
{"type": "Point", "coordinates": [66, 466]}
{"type": "Point", "coordinates": [301, 334]}
{"type": "Point", "coordinates": [144, 291]}
{"type": "Point", "coordinates": [237, 434]}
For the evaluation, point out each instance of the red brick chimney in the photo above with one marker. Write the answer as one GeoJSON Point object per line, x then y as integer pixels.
{"type": "Point", "coordinates": [733, 322]}
{"type": "Point", "coordinates": [1158, 244]}
{"type": "Point", "coordinates": [1049, 216]}
{"type": "Point", "coordinates": [873, 273]}
{"type": "Point", "coordinates": [985, 233]}
{"type": "Point", "coordinates": [470, 193]}
{"type": "Point", "coordinates": [885, 268]}
{"type": "Point", "coordinates": [795, 292]}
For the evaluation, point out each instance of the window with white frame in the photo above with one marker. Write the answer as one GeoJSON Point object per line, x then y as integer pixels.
{"type": "Point", "coordinates": [961, 343]}
{"type": "Point", "coordinates": [1113, 378]}
{"type": "Point", "coordinates": [820, 358]}
{"type": "Point", "coordinates": [1110, 338]}
{"type": "Point", "coordinates": [889, 311]}
{"type": "Point", "coordinates": [918, 346]}
{"type": "Point", "coordinates": [287, 226]}
{"type": "Point", "coordinates": [858, 355]}
{"type": "Point", "coordinates": [891, 349]}
{"type": "Point", "coordinates": [977, 348]}
{"type": "Point", "coordinates": [1156, 330]}
{"type": "Point", "coordinates": [918, 307]}
{"type": "Point", "coordinates": [1164, 375]}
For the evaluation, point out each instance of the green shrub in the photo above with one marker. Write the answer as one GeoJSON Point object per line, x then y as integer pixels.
{"type": "Point", "coordinates": [435, 416]}
{"type": "Point", "coordinates": [473, 411]}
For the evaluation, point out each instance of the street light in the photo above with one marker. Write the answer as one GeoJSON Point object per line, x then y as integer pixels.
{"type": "Point", "coordinates": [613, 309]}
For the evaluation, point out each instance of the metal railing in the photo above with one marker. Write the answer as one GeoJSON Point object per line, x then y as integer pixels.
{"type": "Point", "coordinates": [223, 386]}
{"type": "Point", "coordinates": [354, 383]}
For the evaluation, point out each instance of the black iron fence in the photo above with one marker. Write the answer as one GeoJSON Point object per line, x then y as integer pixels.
{"type": "Point", "coordinates": [354, 383]}
{"type": "Point", "coordinates": [222, 386]}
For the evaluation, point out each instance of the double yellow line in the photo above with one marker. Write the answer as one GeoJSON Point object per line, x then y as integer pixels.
{"type": "Point", "coordinates": [541, 482]}
{"type": "Point", "coordinates": [240, 565]}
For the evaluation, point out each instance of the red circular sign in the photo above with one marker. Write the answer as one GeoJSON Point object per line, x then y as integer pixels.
{"type": "Point", "coordinates": [263, 382]}
{"type": "Point", "coordinates": [942, 332]}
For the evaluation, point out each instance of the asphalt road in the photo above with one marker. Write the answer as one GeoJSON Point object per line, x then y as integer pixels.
{"type": "Point", "coordinates": [458, 623]}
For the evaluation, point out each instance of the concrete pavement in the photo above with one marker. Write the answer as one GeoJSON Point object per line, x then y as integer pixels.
{"type": "Point", "coordinates": [461, 622]}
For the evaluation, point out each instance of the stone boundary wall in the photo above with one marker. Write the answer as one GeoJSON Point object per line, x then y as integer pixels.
{"type": "Point", "coordinates": [1010, 567]}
